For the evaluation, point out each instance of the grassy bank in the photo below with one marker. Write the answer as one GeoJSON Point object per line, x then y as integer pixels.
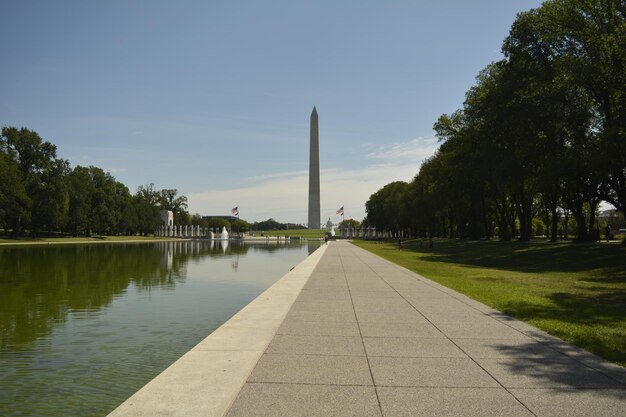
{"type": "Point", "coordinates": [303, 233]}
{"type": "Point", "coordinates": [94, 239]}
{"type": "Point", "coordinates": [574, 291]}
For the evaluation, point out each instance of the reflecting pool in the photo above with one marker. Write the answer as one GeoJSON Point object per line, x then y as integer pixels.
{"type": "Point", "coordinates": [82, 327]}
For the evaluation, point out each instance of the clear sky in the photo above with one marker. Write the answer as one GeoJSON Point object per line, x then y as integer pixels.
{"type": "Point", "coordinates": [214, 97]}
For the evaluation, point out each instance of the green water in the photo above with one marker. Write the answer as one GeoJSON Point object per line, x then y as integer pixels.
{"type": "Point", "coordinates": [82, 327]}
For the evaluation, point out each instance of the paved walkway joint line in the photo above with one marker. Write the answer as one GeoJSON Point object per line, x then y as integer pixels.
{"type": "Point", "coordinates": [347, 333]}
{"type": "Point", "coordinates": [366, 337]}
{"type": "Point", "coordinates": [205, 380]}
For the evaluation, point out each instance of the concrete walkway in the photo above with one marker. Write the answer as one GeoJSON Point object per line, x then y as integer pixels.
{"type": "Point", "coordinates": [366, 337]}
{"type": "Point", "coordinates": [204, 381]}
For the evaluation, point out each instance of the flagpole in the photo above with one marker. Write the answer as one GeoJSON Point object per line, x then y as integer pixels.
{"type": "Point", "coordinates": [341, 225]}
{"type": "Point", "coordinates": [235, 211]}
{"type": "Point", "coordinates": [343, 216]}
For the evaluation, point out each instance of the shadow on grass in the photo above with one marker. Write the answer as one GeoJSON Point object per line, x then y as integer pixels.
{"type": "Point", "coordinates": [605, 309]}
{"type": "Point", "coordinates": [607, 261]}
{"type": "Point", "coordinates": [576, 291]}
{"type": "Point", "coordinates": [554, 364]}
{"type": "Point", "coordinates": [589, 306]}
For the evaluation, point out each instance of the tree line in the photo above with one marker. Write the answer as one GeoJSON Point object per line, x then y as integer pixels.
{"type": "Point", "coordinates": [541, 135]}
{"type": "Point", "coordinates": [40, 192]}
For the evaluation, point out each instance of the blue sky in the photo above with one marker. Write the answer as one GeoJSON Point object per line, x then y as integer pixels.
{"type": "Point", "coordinates": [214, 97]}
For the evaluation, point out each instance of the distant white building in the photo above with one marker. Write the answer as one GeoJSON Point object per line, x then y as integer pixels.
{"type": "Point", "coordinates": [167, 217]}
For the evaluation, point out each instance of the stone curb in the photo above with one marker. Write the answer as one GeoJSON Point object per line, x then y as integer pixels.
{"type": "Point", "coordinates": [206, 380]}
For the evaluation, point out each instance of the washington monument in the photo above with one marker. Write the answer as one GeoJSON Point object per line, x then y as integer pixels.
{"type": "Point", "coordinates": [314, 173]}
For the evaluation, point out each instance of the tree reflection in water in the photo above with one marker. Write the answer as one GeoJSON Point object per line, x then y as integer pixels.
{"type": "Point", "coordinates": [40, 285]}
{"type": "Point", "coordinates": [82, 327]}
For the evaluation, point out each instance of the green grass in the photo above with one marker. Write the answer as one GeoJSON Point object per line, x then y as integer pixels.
{"type": "Point", "coordinates": [78, 239]}
{"type": "Point", "coordinates": [304, 233]}
{"type": "Point", "coordinates": [576, 292]}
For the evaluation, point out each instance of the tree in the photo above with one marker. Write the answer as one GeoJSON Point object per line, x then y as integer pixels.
{"type": "Point", "coordinates": [573, 44]}
{"type": "Point", "coordinates": [122, 203]}
{"type": "Point", "coordinates": [43, 177]}
{"type": "Point", "coordinates": [218, 223]}
{"type": "Point", "coordinates": [80, 192]}
{"type": "Point", "coordinates": [50, 197]}
{"type": "Point", "coordinates": [543, 130]}
{"type": "Point", "coordinates": [129, 221]}
{"type": "Point", "coordinates": [105, 211]}
{"type": "Point", "coordinates": [39, 192]}
{"type": "Point", "coordinates": [98, 203]}
{"type": "Point", "coordinates": [382, 207]}
{"type": "Point", "coordinates": [461, 175]}
{"type": "Point", "coordinates": [168, 200]}
{"type": "Point", "coordinates": [587, 39]}
{"type": "Point", "coordinates": [269, 224]}
{"type": "Point", "coordinates": [147, 202]}
{"type": "Point", "coordinates": [350, 223]}
{"type": "Point", "coordinates": [240, 226]}
{"type": "Point", "coordinates": [183, 218]}
{"type": "Point", "coordinates": [198, 220]}
{"type": "Point", "coordinates": [14, 201]}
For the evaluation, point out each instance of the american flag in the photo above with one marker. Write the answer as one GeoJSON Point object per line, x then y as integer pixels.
{"type": "Point", "coordinates": [235, 211]}
{"type": "Point", "coordinates": [340, 211]}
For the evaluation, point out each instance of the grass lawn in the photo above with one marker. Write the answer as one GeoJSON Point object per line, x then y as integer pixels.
{"type": "Point", "coordinates": [68, 239]}
{"type": "Point", "coordinates": [304, 233]}
{"type": "Point", "coordinates": [574, 291]}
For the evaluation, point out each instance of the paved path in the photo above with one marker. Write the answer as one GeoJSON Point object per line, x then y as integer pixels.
{"type": "Point", "coordinates": [368, 338]}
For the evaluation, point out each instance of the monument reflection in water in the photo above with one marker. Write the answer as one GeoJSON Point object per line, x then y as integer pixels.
{"type": "Point", "coordinates": [82, 327]}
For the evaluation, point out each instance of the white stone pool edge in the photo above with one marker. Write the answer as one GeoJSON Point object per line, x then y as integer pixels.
{"type": "Point", "coordinates": [206, 380]}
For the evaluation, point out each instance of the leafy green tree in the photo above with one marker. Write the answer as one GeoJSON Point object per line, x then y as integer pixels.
{"type": "Point", "coordinates": [543, 130]}
{"type": "Point", "coordinates": [460, 181]}
{"type": "Point", "coordinates": [14, 201]}
{"type": "Point", "coordinates": [569, 42]}
{"type": "Point", "coordinates": [122, 202]}
{"type": "Point", "coordinates": [170, 200]}
{"type": "Point", "coordinates": [50, 197]}
{"type": "Point", "coordinates": [43, 177]}
{"type": "Point", "coordinates": [433, 204]}
{"type": "Point", "coordinates": [217, 223]}
{"type": "Point", "coordinates": [39, 192]}
{"type": "Point", "coordinates": [350, 223]}
{"type": "Point", "coordinates": [102, 200]}
{"type": "Point", "coordinates": [80, 194]}
{"type": "Point", "coordinates": [147, 202]}
{"type": "Point", "coordinates": [129, 221]}
{"type": "Point", "coordinates": [586, 40]}
{"type": "Point", "coordinates": [269, 224]}
{"type": "Point", "coordinates": [240, 226]}
{"type": "Point", "coordinates": [98, 202]}
{"type": "Point", "coordinates": [198, 220]}
{"type": "Point", "coordinates": [383, 207]}
{"type": "Point", "coordinates": [184, 219]}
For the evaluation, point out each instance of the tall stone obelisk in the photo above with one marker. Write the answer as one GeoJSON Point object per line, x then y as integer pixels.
{"type": "Point", "coordinates": [314, 173]}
